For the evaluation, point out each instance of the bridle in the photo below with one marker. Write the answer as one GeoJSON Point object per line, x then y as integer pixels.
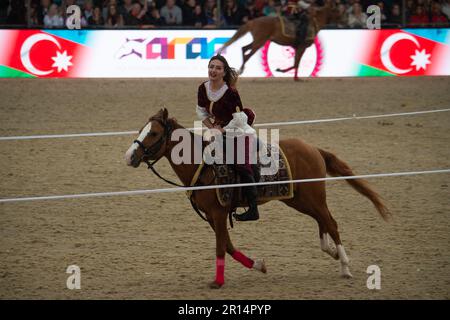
{"type": "Point", "coordinates": [154, 148]}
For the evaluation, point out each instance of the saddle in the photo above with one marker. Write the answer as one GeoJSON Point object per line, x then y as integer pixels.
{"type": "Point", "coordinates": [291, 24]}
{"type": "Point", "coordinates": [234, 197]}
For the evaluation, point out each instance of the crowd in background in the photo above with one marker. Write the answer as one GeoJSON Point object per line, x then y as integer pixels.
{"type": "Point", "coordinates": [205, 14]}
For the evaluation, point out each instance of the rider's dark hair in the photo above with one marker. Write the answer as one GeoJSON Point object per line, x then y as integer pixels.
{"type": "Point", "coordinates": [231, 75]}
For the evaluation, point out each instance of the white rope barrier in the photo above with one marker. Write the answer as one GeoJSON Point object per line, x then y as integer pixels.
{"type": "Point", "coordinates": [178, 189]}
{"type": "Point", "coordinates": [269, 124]}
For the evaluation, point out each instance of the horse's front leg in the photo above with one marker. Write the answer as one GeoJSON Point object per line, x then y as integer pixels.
{"type": "Point", "coordinates": [220, 227]}
{"type": "Point", "coordinates": [240, 257]}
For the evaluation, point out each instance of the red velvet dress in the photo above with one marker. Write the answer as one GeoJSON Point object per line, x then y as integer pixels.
{"type": "Point", "coordinates": [222, 111]}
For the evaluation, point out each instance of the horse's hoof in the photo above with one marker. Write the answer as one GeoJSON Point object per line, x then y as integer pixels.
{"type": "Point", "coordinates": [347, 276]}
{"type": "Point", "coordinates": [345, 273]}
{"type": "Point", "coordinates": [215, 285]}
{"type": "Point", "coordinates": [260, 265]}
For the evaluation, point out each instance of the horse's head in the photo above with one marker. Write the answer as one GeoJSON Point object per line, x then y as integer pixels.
{"type": "Point", "coordinates": [152, 140]}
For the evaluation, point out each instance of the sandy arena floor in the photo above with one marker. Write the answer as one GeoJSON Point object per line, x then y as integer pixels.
{"type": "Point", "coordinates": [156, 247]}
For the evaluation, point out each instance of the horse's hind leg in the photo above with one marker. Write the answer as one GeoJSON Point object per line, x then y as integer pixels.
{"type": "Point", "coordinates": [325, 242]}
{"type": "Point", "coordinates": [310, 205]}
{"type": "Point", "coordinates": [323, 234]}
{"type": "Point", "coordinates": [333, 231]}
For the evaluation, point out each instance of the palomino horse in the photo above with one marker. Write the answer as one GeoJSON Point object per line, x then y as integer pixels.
{"type": "Point", "coordinates": [267, 28]}
{"type": "Point", "coordinates": [306, 161]}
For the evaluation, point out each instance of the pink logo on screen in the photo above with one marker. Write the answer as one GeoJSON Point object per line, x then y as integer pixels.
{"type": "Point", "coordinates": [131, 47]}
{"type": "Point", "coordinates": [275, 57]}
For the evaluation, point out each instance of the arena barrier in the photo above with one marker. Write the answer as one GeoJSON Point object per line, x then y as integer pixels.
{"type": "Point", "coordinates": [268, 124]}
{"type": "Point", "coordinates": [184, 189]}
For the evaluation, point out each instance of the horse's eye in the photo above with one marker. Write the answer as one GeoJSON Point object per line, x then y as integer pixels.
{"type": "Point", "coordinates": [152, 134]}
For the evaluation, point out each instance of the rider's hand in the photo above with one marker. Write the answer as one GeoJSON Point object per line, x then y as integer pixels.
{"type": "Point", "coordinates": [217, 127]}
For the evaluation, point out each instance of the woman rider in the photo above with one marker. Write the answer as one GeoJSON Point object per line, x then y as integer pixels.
{"type": "Point", "coordinates": [219, 107]}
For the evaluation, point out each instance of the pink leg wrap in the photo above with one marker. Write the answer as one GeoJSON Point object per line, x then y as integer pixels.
{"type": "Point", "coordinates": [220, 270]}
{"type": "Point", "coordinates": [242, 258]}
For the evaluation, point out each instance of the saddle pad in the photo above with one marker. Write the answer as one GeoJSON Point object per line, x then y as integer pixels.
{"type": "Point", "coordinates": [225, 174]}
{"type": "Point", "coordinates": [289, 28]}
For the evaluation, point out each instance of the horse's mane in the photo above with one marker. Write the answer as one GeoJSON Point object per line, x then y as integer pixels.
{"type": "Point", "coordinates": [175, 125]}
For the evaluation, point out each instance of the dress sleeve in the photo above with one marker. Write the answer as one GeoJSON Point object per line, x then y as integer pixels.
{"type": "Point", "coordinates": [202, 113]}
{"type": "Point", "coordinates": [236, 101]}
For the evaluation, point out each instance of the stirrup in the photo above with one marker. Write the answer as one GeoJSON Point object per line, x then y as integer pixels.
{"type": "Point", "coordinates": [247, 216]}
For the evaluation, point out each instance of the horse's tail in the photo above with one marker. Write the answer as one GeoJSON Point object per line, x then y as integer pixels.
{"type": "Point", "coordinates": [337, 167]}
{"type": "Point", "coordinates": [239, 34]}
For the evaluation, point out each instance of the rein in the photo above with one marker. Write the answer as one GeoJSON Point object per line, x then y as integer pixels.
{"type": "Point", "coordinates": [152, 150]}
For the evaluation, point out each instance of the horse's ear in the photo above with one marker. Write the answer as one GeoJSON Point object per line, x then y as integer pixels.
{"type": "Point", "coordinates": [162, 114]}
{"type": "Point", "coordinates": [165, 114]}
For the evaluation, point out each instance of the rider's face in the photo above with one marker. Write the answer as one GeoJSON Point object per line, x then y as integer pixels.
{"type": "Point", "coordinates": [216, 70]}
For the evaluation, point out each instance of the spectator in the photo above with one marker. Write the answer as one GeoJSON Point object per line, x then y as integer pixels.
{"type": "Point", "coordinates": [97, 18]}
{"type": "Point", "coordinates": [88, 9]}
{"type": "Point", "coordinates": [350, 4]}
{"type": "Point", "coordinates": [233, 14]}
{"type": "Point", "coordinates": [137, 15]}
{"type": "Point", "coordinates": [420, 17]}
{"type": "Point", "coordinates": [199, 17]}
{"type": "Point", "coordinates": [114, 18]}
{"type": "Point", "coordinates": [172, 13]}
{"type": "Point", "coordinates": [252, 11]}
{"type": "Point", "coordinates": [188, 12]}
{"type": "Point", "coordinates": [383, 18]}
{"type": "Point", "coordinates": [342, 19]}
{"type": "Point", "coordinates": [155, 19]}
{"type": "Point", "coordinates": [410, 9]}
{"type": "Point", "coordinates": [269, 9]}
{"type": "Point", "coordinates": [105, 6]}
{"type": "Point", "coordinates": [53, 19]}
{"type": "Point", "coordinates": [212, 16]}
{"type": "Point", "coordinates": [437, 18]}
{"type": "Point", "coordinates": [208, 9]}
{"type": "Point", "coordinates": [34, 21]}
{"type": "Point", "coordinates": [4, 5]}
{"type": "Point", "coordinates": [446, 8]}
{"type": "Point", "coordinates": [42, 10]}
{"type": "Point", "coordinates": [259, 6]}
{"type": "Point", "coordinates": [125, 9]}
{"type": "Point", "coordinates": [17, 15]}
{"type": "Point", "coordinates": [159, 4]}
{"type": "Point", "coordinates": [357, 19]}
{"type": "Point", "coordinates": [395, 17]}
